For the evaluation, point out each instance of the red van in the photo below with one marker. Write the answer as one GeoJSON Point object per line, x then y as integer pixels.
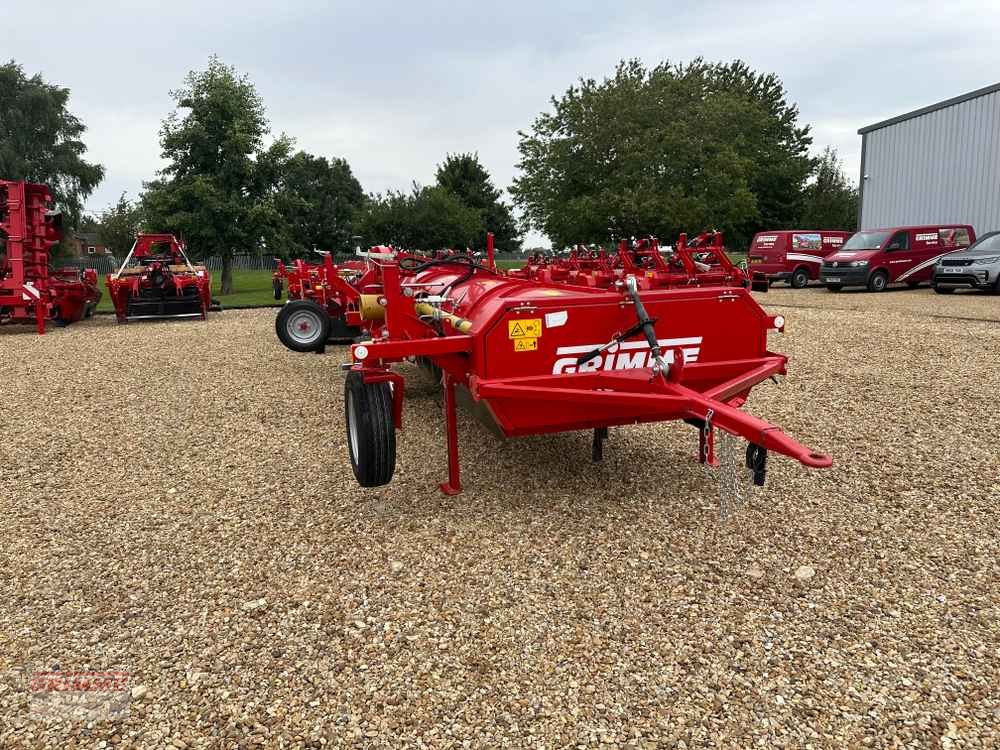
{"type": "Point", "coordinates": [875, 258]}
{"type": "Point", "coordinates": [793, 255]}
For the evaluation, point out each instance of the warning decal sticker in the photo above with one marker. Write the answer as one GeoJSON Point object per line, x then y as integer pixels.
{"type": "Point", "coordinates": [528, 328]}
{"type": "Point", "coordinates": [525, 345]}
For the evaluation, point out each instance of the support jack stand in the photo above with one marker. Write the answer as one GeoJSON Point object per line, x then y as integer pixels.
{"type": "Point", "coordinates": [454, 484]}
{"type": "Point", "coordinates": [597, 448]}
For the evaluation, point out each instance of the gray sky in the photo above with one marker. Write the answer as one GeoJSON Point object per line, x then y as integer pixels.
{"type": "Point", "coordinates": [393, 87]}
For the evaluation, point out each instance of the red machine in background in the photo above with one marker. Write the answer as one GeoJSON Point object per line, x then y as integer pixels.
{"type": "Point", "coordinates": [31, 292]}
{"type": "Point", "coordinates": [319, 299]}
{"type": "Point", "coordinates": [541, 356]}
{"type": "Point", "coordinates": [163, 284]}
{"type": "Point", "coordinates": [324, 299]}
{"type": "Point", "coordinates": [700, 262]}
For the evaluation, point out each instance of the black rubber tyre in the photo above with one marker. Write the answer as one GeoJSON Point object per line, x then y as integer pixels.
{"type": "Point", "coordinates": [302, 325]}
{"type": "Point", "coordinates": [834, 287]}
{"type": "Point", "coordinates": [800, 279]}
{"type": "Point", "coordinates": [878, 281]}
{"type": "Point", "coordinates": [944, 289]}
{"type": "Point", "coordinates": [371, 432]}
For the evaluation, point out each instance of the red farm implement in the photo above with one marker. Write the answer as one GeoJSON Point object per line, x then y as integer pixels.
{"type": "Point", "coordinates": [701, 262]}
{"type": "Point", "coordinates": [160, 283]}
{"type": "Point", "coordinates": [540, 357]}
{"type": "Point", "coordinates": [320, 296]}
{"type": "Point", "coordinates": [31, 292]}
{"type": "Point", "coordinates": [324, 299]}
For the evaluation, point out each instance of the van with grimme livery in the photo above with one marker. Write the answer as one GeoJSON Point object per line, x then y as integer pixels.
{"type": "Point", "coordinates": [793, 255]}
{"type": "Point", "coordinates": [875, 258]}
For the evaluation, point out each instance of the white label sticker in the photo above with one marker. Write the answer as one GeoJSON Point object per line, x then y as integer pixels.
{"type": "Point", "coordinates": [556, 319]}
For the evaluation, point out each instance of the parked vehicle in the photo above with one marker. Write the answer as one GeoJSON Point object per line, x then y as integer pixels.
{"type": "Point", "coordinates": [977, 267]}
{"type": "Point", "coordinates": [875, 258]}
{"type": "Point", "coordinates": [794, 255]}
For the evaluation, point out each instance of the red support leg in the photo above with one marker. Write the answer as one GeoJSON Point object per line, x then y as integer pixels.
{"type": "Point", "coordinates": [454, 484]}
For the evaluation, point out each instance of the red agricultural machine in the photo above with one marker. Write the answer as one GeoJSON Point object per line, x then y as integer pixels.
{"type": "Point", "coordinates": [541, 356]}
{"type": "Point", "coordinates": [31, 292]}
{"type": "Point", "coordinates": [319, 298]}
{"type": "Point", "coordinates": [324, 299]}
{"type": "Point", "coordinates": [703, 261]}
{"type": "Point", "coordinates": [161, 283]}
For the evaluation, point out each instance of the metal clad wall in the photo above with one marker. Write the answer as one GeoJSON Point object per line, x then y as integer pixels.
{"type": "Point", "coordinates": [941, 166]}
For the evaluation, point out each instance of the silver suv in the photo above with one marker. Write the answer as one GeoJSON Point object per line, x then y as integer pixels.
{"type": "Point", "coordinates": [977, 266]}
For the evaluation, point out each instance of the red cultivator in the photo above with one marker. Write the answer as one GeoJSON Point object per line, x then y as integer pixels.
{"type": "Point", "coordinates": [701, 262]}
{"type": "Point", "coordinates": [542, 356]}
{"type": "Point", "coordinates": [324, 299]}
{"type": "Point", "coordinates": [29, 291]}
{"type": "Point", "coordinates": [320, 296]}
{"type": "Point", "coordinates": [164, 284]}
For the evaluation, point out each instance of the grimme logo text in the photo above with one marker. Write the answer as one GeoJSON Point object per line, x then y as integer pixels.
{"type": "Point", "coordinates": [632, 355]}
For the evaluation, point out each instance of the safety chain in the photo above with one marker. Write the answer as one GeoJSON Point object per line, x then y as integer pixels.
{"type": "Point", "coordinates": [707, 433]}
{"type": "Point", "coordinates": [732, 476]}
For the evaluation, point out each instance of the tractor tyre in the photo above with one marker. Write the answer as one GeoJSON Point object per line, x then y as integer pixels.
{"type": "Point", "coordinates": [371, 431]}
{"type": "Point", "coordinates": [277, 285]}
{"type": "Point", "coordinates": [303, 326]}
{"type": "Point", "coordinates": [944, 289]}
{"type": "Point", "coordinates": [878, 281]}
{"type": "Point", "coordinates": [800, 279]}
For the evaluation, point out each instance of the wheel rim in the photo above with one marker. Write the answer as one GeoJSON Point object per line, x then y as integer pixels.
{"type": "Point", "coordinates": [880, 282]}
{"type": "Point", "coordinates": [352, 427]}
{"type": "Point", "coordinates": [303, 327]}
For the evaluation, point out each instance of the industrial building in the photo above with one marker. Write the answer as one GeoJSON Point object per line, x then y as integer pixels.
{"type": "Point", "coordinates": [937, 164]}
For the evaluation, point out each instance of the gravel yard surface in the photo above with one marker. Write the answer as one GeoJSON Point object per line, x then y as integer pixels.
{"type": "Point", "coordinates": [177, 502]}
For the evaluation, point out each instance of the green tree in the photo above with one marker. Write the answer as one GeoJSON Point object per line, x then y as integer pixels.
{"type": "Point", "coordinates": [118, 224]}
{"type": "Point", "coordinates": [428, 218]}
{"type": "Point", "coordinates": [830, 201]}
{"type": "Point", "coordinates": [319, 200]}
{"type": "Point", "coordinates": [219, 189]}
{"type": "Point", "coordinates": [465, 177]}
{"type": "Point", "coordinates": [40, 140]}
{"type": "Point", "coordinates": [660, 151]}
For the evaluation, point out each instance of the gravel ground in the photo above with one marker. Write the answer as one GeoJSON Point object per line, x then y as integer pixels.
{"type": "Point", "coordinates": [177, 503]}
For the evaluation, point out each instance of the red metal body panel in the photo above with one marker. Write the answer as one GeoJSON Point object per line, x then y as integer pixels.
{"type": "Point", "coordinates": [780, 253]}
{"type": "Point", "coordinates": [516, 344]}
{"type": "Point", "coordinates": [165, 283]}
{"type": "Point", "coordinates": [31, 292]}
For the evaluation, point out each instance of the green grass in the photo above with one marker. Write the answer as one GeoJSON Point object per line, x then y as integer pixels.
{"type": "Point", "coordinates": [509, 264]}
{"type": "Point", "coordinates": [253, 289]}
